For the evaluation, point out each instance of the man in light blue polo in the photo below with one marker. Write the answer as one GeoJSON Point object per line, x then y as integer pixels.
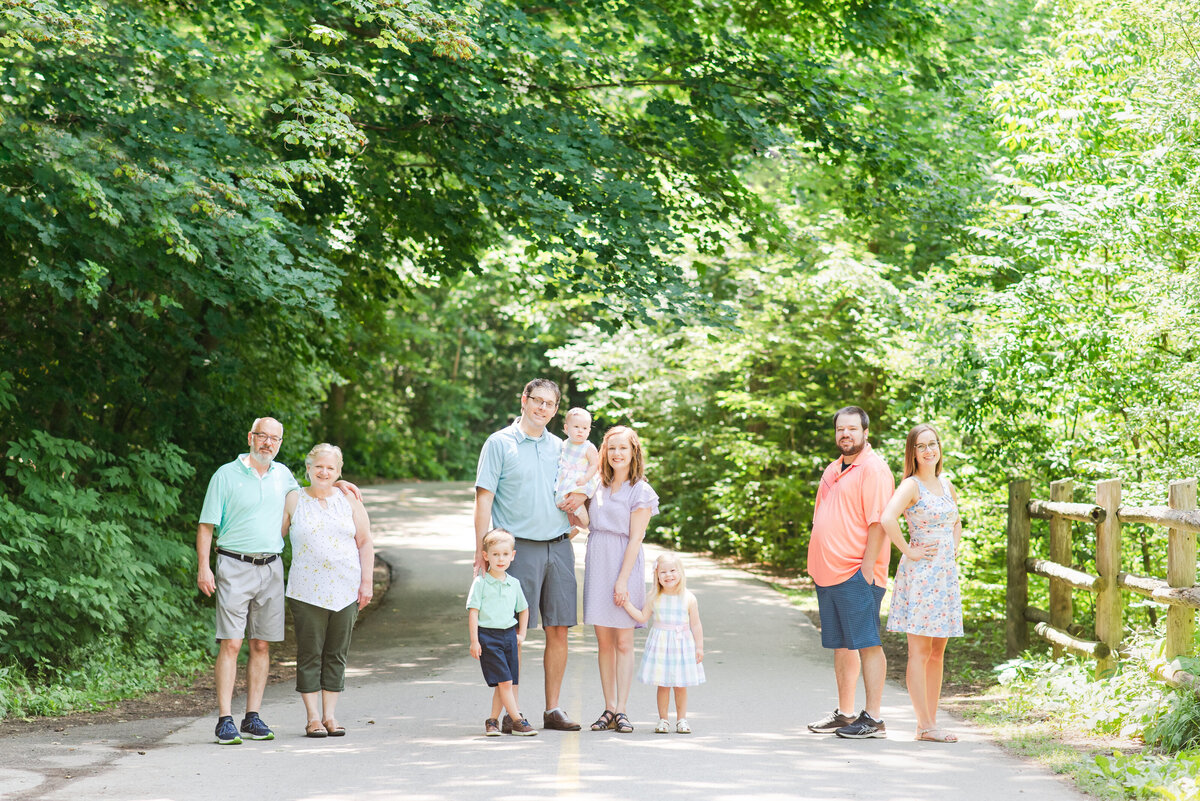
{"type": "Point", "coordinates": [244, 507]}
{"type": "Point", "coordinates": [514, 490]}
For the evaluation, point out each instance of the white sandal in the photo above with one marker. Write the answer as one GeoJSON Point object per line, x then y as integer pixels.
{"type": "Point", "coordinates": [682, 727]}
{"type": "Point", "coordinates": [663, 727]}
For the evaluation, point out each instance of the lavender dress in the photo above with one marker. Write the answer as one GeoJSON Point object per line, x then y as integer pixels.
{"type": "Point", "coordinates": [607, 540]}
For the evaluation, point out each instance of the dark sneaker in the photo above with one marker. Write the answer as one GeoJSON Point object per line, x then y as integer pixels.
{"type": "Point", "coordinates": [254, 728]}
{"type": "Point", "coordinates": [830, 723]}
{"type": "Point", "coordinates": [863, 728]}
{"type": "Point", "coordinates": [227, 733]}
{"type": "Point", "coordinates": [522, 728]}
{"type": "Point", "coordinates": [506, 723]}
{"type": "Point", "coordinates": [491, 727]}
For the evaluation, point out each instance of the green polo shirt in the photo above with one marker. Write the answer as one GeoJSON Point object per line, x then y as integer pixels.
{"type": "Point", "coordinates": [499, 601]}
{"type": "Point", "coordinates": [246, 510]}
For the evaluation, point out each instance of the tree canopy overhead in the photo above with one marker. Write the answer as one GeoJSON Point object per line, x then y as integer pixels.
{"type": "Point", "coordinates": [342, 212]}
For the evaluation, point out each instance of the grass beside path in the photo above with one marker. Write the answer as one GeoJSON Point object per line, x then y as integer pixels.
{"type": "Point", "coordinates": [112, 689]}
{"type": "Point", "coordinates": [1091, 734]}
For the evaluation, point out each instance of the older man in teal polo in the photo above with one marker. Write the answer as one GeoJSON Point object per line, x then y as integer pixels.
{"type": "Point", "coordinates": [244, 509]}
{"type": "Point", "coordinates": [514, 490]}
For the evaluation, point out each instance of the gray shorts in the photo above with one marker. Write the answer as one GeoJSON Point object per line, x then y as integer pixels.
{"type": "Point", "coordinates": [546, 571]}
{"type": "Point", "coordinates": [249, 600]}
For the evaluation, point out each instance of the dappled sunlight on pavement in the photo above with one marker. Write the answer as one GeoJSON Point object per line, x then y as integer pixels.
{"type": "Point", "coordinates": [415, 703]}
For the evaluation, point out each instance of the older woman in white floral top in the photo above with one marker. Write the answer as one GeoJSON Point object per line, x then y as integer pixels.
{"type": "Point", "coordinates": [330, 580]}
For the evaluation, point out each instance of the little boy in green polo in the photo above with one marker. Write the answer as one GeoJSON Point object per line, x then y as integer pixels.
{"type": "Point", "coordinates": [497, 617]}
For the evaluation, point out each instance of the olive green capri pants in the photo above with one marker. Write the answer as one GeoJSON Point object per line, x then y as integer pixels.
{"type": "Point", "coordinates": [322, 641]}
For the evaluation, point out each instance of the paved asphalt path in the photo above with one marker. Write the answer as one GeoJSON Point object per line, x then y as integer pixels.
{"type": "Point", "coordinates": [415, 704]}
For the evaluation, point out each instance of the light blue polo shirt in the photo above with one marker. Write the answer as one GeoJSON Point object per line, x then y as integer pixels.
{"type": "Point", "coordinates": [499, 601]}
{"type": "Point", "coordinates": [247, 511]}
{"type": "Point", "coordinates": [520, 470]}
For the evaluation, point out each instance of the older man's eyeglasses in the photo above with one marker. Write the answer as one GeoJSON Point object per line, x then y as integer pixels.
{"type": "Point", "coordinates": [922, 447]}
{"type": "Point", "coordinates": [270, 438]}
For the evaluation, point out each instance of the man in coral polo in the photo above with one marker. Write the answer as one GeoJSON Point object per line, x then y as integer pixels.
{"type": "Point", "coordinates": [848, 561]}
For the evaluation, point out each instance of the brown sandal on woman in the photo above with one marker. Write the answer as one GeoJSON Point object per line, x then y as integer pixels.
{"type": "Point", "coordinates": [605, 721]}
{"type": "Point", "coordinates": [622, 724]}
{"type": "Point", "coordinates": [315, 728]}
{"type": "Point", "coordinates": [334, 729]}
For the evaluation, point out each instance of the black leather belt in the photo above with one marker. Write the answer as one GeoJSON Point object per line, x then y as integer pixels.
{"type": "Point", "coordinates": [254, 560]}
{"type": "Point", "coordinates": [559, 538]}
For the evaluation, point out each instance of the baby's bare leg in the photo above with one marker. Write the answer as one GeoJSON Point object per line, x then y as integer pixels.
{"type": "Point", "coordinates": [581, 514]}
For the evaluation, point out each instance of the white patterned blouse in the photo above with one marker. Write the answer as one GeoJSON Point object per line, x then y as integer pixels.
{"type": "Point", "coordinates": [325, 562]}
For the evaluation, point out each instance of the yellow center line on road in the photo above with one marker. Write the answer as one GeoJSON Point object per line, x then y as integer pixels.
{"type": "Point", "coordinates": [568, 784]}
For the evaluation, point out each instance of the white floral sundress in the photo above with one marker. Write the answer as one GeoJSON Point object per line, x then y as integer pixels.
{"type": "Point", "coordinates": [926, 598]}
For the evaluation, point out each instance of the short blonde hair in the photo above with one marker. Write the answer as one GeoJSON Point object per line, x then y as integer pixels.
{"type": "Point", "coordinates": [578, 410]}
{"type": "Point", "coordinates": [497, 536]}
{"type": "Point", "coordinates": [320, 448]}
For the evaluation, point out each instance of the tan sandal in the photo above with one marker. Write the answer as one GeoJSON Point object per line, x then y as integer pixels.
{"type": "Point", "coordinates": [334, 730]}
{"type": "Point", "coordinates": [936, 735]}
{"type": "Point", "coordinates": [315, 728]}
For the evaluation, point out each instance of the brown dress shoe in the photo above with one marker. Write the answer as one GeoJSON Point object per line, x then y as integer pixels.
{"type": "Point", "coordinates": [558, 720]}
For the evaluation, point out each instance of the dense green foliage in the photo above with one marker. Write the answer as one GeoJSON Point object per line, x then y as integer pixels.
{"type": "Point", "coordinates": [367, 219]}
{"type": "Point", "coordinates": [719, 222]}
{"type": "Point", "coordinates": [1040, 699]}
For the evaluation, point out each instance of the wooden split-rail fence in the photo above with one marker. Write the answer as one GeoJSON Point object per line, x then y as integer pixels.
{"type": "Point", "coordinates": [1178, 590]}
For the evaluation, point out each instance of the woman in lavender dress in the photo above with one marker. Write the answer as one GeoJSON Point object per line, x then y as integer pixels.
{"type": "Point", "coordinates": [615, 570]}
{"type": "Point", "coordinates": [926, 601]}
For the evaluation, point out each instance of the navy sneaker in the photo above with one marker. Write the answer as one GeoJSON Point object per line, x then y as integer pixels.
{"type": "Point", "coordinates": [862, 728]}
{"type": "Point", "coordinates": [254, 728]}
{"type": "Point", "coordinates": [227, 733]}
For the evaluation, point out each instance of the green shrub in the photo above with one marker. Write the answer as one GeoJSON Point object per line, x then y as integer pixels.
{"type": "Point", "coordinates": [96, 676]}
{"type": "Point", "coordinates": [87, 552]}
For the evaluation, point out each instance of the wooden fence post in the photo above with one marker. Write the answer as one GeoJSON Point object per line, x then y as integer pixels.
{"type": "Point", "coordinates": [1109, 626]}
{"type": "Point", "coordinates": [1016, 629]}
{"type": "Point", "coordinates": [1181, 570]}
{"type": "Point", "coordinates": [1061, 610]}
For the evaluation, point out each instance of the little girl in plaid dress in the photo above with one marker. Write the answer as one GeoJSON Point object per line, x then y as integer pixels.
{"type": "Point", "coordinates": [675, 647]}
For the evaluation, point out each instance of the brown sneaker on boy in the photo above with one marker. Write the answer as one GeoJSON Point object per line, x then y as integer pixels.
{"type": "Point", "coordinates": [522, 728]}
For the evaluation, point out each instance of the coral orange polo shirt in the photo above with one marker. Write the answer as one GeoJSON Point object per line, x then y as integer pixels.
{"type": "Point", "coordinates": [848, 501]}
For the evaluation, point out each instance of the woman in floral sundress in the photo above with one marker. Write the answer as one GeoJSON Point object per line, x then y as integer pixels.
{"type": "Point", "coordinates": [926, 601]}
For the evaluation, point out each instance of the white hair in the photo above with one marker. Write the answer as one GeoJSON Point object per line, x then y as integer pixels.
{"type": "Point", "coordinates": [258, 420]}
{"type": "Point", "coordinates": [320, 448]}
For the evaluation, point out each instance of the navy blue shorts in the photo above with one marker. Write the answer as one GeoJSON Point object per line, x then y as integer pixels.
{"type": "Point", "coordinates": [850, 613]}
{"type": "Point", "coordinates": [499, 658]}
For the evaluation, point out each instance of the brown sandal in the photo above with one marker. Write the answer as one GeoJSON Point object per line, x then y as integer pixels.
{"type": "Point", "coordinates": [334, 730]}
{"type": "Point", "coordinates": [622, 724]}
{"type": "Point", "coordinates": [315, 729]}
{"type": "Point", "coordinates": [605, 721]}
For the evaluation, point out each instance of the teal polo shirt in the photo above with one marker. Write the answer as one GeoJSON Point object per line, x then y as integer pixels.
{"type": "Point", "coordinates": [499, 601]}
{"type": "Point", "coordinates": [245, 510]}
{"type": "Point", "coordinates": [520, 471]}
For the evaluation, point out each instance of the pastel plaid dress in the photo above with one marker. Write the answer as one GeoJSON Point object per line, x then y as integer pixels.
{"type": "Point", "coordinates": [572, 465]}
{"type": "Point", "coordinates": [926, 599]}
{"type": "Point", "coordinates": [669, 659]}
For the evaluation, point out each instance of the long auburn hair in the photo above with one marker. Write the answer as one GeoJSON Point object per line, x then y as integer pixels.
{"type": "Point", "coordinates": [637, 461]}
{"type": "Point", "coordinates": [910, 450]}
